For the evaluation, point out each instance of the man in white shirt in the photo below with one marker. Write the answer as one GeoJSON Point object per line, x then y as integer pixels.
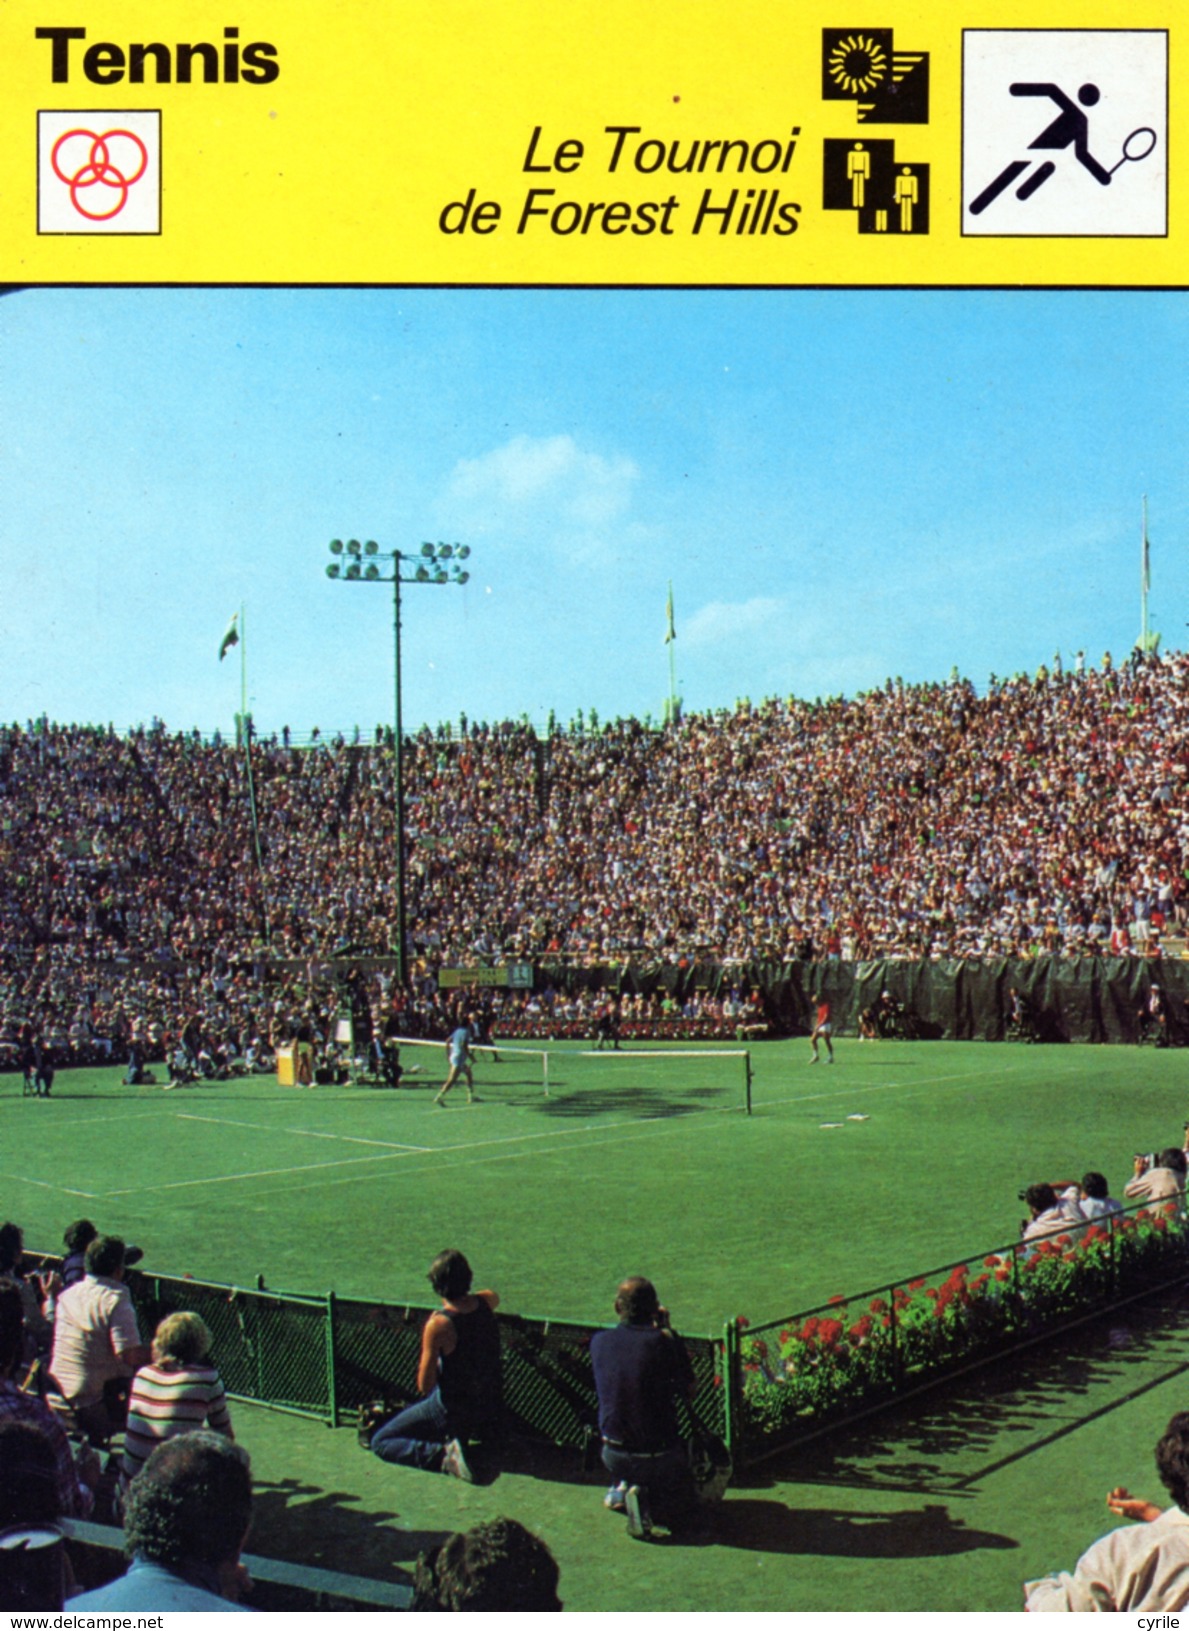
{"type": "Point", "coordinates": [1142, 1567]}
{"type": "Point", "coordinates": [97, 1343]}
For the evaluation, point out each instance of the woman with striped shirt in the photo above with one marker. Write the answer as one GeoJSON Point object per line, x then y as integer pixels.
{"type": "Point", "coordinates": [177, 1392]}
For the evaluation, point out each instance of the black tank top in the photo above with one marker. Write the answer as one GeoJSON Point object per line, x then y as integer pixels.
{"type": "Point", "coordinates": [470, 1378]}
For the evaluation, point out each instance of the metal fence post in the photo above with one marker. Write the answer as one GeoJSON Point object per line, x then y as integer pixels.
{"type": "Point", "coordinates": [732, 1382]}
{"type": "Point", "coordinates": [897, 1376]}
{"type": "Point", "coordinates": [331, 1375]}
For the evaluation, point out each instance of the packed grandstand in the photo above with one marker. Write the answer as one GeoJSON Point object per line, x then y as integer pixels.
{"type": "Point", "coordinates": [144, 882]}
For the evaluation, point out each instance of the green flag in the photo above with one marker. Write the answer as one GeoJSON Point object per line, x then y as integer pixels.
{"type": "Point", "coordinates": [231, 638]}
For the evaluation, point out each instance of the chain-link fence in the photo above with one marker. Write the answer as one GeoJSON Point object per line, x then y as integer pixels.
{"type": "Point", "coordinates": [548, 1384]}
{"type": "Point", "coordinates": [274, 1349]}
{"type": "Point", "coordinates": [326, 1356]}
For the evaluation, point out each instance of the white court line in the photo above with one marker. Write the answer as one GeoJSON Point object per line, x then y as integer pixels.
{"type": "Point", "coordinates": [242, 1177]}
{"type": "Point", "coordinates": [398, 1152]}
{"type": "Point", "coordinates": [40, 1183]}
{"type": "Point", "coordinates": [98, 1121]}
{"type": "Point", "coordinates": [634, 1129]}
{"type": "Point", "coordinates": [304, 1132]}
{"type": "Point", "coordinates": [853, 1090]}
{"type": "Point", "coordinates": [554, 1132]}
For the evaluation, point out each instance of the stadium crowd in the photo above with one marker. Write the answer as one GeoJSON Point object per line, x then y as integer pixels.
{"type": "Point", "coordinates": [1046, 815]}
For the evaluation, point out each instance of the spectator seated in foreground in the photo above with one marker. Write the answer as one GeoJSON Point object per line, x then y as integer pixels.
{"type": "Point", "coordinates": [1096, 1199]}
{"type": "Point", "coordinates": [75, 1242]}
{"type": "Point", "coordinates": [185, 1525]}
{"type": "Point", "coordinates": [495, 1567]}
{"type": "Point", "coordinates": [38, 1326]}
{"type": "Point", "coordinates": [1087, 1202]}
{"type": "Point", "coordinates": [178, 1392]}
{"type": "Point", "coordinates": [1142, 1567]}
{"type": "Point", "coordinates": [33, 1565]}
{"type": "Point", "coordinates": [73, 1484]}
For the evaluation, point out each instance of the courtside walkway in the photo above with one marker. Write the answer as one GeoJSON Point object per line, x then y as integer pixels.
{"type": "Point", "coordinates": [949, 1504]}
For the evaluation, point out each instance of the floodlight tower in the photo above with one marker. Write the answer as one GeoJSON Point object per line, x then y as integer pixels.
{"type": "Point", "coordinates": [437, 564]}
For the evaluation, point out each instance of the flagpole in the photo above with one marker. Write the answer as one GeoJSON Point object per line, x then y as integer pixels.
{"type": "Point", "coordinates": [246, 736]}
{"type": "Point", "coordinates": [671, 642]}
{"type": "Point", "coordinates": [243, 668]}
{"type": "Point", "coordinates": [1144, 577]}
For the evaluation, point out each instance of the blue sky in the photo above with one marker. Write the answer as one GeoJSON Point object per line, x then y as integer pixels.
{"type": "Point", "coordinates": [841, 486]}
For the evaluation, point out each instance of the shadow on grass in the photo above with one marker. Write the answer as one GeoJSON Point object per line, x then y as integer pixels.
{"type": "Point", "coordinates": [644, 1102]}
{"type": "Point", "coordinates": [751, 1524]}
{"type": "Point", "coordinates": [773, 1526]}
{"type": "Point", "coordinates": [299, 1522]}
{"type": "Point", "coordinates": [962, 1433]}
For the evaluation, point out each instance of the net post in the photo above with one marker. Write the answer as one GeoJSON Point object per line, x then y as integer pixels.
{"type": "Point", "coordinates": [545, 1070]}
{"type": "Point", "coordinates": [747, 1078]}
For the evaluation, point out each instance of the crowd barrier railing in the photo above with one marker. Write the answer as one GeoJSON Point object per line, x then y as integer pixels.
{"type": "Point", "coordinates": [796, 1377]}
{"type": "Point", "coordinates": [762, 1387]}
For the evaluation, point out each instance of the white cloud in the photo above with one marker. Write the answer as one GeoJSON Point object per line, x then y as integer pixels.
{"type": "Point", "coordinates": [582, 488]}
{"type": "Point", "coordinates": [726, 620]}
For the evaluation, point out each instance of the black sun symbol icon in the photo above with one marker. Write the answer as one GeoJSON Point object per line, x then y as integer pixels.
{"type": "Point", "coordinates": [857, 64]}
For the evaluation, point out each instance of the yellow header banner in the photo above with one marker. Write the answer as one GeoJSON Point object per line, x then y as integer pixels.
{"type": "Point", "coordinates": [793, 144]}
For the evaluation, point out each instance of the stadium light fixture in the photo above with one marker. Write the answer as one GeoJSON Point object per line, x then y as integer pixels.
{"type": "Point", "coordinates": [436, 564]}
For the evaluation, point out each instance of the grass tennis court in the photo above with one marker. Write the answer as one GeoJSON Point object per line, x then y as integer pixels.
{"type": "Point", "coordinates": [632, 1164]}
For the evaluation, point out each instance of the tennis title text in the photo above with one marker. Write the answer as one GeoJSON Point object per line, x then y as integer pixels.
{"type": "Point", "coordinates": [748, 197]}
{"type": "Point", "coordinates": [103, 62]}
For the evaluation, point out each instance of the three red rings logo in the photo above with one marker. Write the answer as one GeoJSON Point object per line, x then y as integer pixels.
{"type": "Point", "coordinates": [98, 169]}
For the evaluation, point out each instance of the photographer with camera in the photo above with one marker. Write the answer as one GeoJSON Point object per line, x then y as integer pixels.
{"type": "Point", "coordinates": [641, 1372]}
{"type": "Point", "coordinates": [1050, 1215]}
{"type": "Point", "coordinates": [1092, 1197]}
{"type": "Point", "coordinates": [1159, 1179]}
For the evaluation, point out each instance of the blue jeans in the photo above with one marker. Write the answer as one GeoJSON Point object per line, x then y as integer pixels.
{"type": "Point", "coordinates": [416, 1437]}
{"type": "Point", "coordinates": [665, 1475]}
